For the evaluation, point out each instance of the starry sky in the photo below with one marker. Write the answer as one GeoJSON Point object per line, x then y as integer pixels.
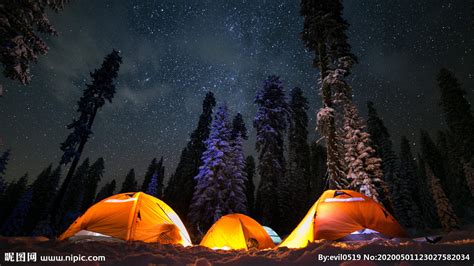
{"type": "Point", "coordinates": [175, 51]}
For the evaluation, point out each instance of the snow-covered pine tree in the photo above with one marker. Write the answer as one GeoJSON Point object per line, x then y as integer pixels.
{"type": "Point", "coordinates": [364, 169]}
{"type": "Point", "coordinates": [11, 197]}
{"type": "Point", "coordinates": [130, 183]}
{"type": "Point", "coordinates": [157, 171]}
{"type": "Point", "coordinates": [151, 170]}
{"type": "Point", "coordinates": [93, 99]}
{"type": "Point", "coordinates": [180, 189]}
{"type": "Point", "coordinates": [410, 188]}
{"type": "Point", "coordinates": [96, 171]}
{"type": "Point", "coordinates": [447, 217]}
{"type": "Point", "coordinates": [318, 171]}
{"type": "Point", "coordinates": [239, 165]}
{"type": "Point", "coordinates": [249, 185]}
{"type": "Point", "coordinates": [152, 188]}
{"type": "Point", "coordinates": [21, 43]}
{"type": "Point", "coordinates": [106, 191]}
{"type": "Point", "coordinates": [270, 123]}
{"type": "Point", "coordinates": [237, 200]}
{"type": "Point", "coordinates": [14, 224]}
{"type": "Point", "coordinates": [324, 32]}
{"type": "Point", "coordinates": [160, 170]}
{"type": "Point", "coordinates": [219, 189]}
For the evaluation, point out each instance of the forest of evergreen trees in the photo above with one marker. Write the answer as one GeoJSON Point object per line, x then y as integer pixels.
{"type": "Point", "coordinates": [430, 187]}
{"type": "Point", "coordinates": [426, 188]}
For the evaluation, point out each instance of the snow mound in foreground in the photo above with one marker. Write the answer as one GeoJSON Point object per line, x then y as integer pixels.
{"type": "Point", "coordinates": [139, 253]}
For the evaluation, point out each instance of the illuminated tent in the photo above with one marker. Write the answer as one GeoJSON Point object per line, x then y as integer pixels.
{"type": "Point", "coordinates": [237, 231]}
{"type": "Point", "coordinates": [338, 213]}
{"type": "Point", "coordinates": [131, 216]}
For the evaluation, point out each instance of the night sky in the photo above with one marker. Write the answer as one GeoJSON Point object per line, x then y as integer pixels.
{"type": "Point", "coordinates": [175, 51]}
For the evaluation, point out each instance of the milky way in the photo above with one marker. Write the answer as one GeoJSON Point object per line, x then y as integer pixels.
{"type": "Point", "coordinates": [176, 51]}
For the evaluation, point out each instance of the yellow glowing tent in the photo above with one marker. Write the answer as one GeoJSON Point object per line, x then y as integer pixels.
{"type": "Point", "coordinates": [131, 216]}
{"type": "Point", "coordinates": [338, 213]}
{"type": "Point", "coordinates": [236, 231]}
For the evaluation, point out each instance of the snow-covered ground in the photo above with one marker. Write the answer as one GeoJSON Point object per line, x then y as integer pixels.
{"type": "Point", "coordinates": [138, 253]}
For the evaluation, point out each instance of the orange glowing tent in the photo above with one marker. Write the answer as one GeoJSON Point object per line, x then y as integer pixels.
{"type": "Point", "coordinates": [131, 216]}
{"type": "Point", "coordinates": [338, 213]}
{"type": "Point", "coordinates": [236, 231]}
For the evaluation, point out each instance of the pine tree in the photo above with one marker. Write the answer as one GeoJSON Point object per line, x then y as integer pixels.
{"type": "Point", "coordinates": [180, 189]}
{"type": "Point", "coordinates": [160, 178]}
{"type": "Point", "coordinates": [455, 183]}
{"type": "Point", "coordinates": [44, 228]}
{"type": "Point", "coordinates": [432, 157]}
{"type": "Point", "coordinates": [380, 139]}
{"type": "Point", "coordinates": [249, 185]}
{"type": "Point", "coordinates": [405, 183]}
{"type": "Point", "coordinates": [44, 191]}
{"type": "Point", "coordinates": [11, 197]}
{"type": "Point", "coordinates": [158, 173]}
{"type": "Point", "coordinates": [238, 177]}
{"type": "Point", "coordinates": [151, 170]}
{"type": "Point", "coordinates": [427, 206]}
{"type": "Point", "coordinates": [93, 99]}
{"type": "Point", "coordinates": [3, 167]}
{"type": "Point", "coordinates": [270, 123]}
{"type": "Point", "coordinates": [152, 186]}
{"type": "Point", "coordinates": [459, 141]}
{"type": "Point", "coordinates": [364, 168]}
{"type": "Point", "coordinates": [295, 186]}
{"type": "Point", "coordinates": [96, 171]}
{"type": "Point", "coordinates": [318, 171]}
{"type": "Point", "coordinates": [220, 187]}
{"type": "Point", "coordinates": [14, 224]}
{"type": "Point", "coordinates": [21, 43]}
{"type": "Point", "coordinates": [38, 190]}
{"type": "Point", "coordinates": [298, 148]}
{"type": "Point", "coordinates": [459, 117]}
{"type": "Point", "coordinates": [238, 126]}
{"type": "Point", "coordinates": [324, 33]}
{"type": "Point", "coordinates": [469, 174]}
{"type": "Point", "coordinates": [70, 207]}
{"type": "Point", "coordinates": [412, 189]}
{"type": "Point", "coordinates": [106, 191]}
{"type": "Point", "coordinates": [448, 218]}
{"type": "Point", "coordinates": [130, 183]}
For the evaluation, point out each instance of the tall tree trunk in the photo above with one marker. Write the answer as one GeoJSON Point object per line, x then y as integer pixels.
{"type": "Point", "coordinates": [72, 169]}
{"type": "Point", "coordinates": [333, 167]}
